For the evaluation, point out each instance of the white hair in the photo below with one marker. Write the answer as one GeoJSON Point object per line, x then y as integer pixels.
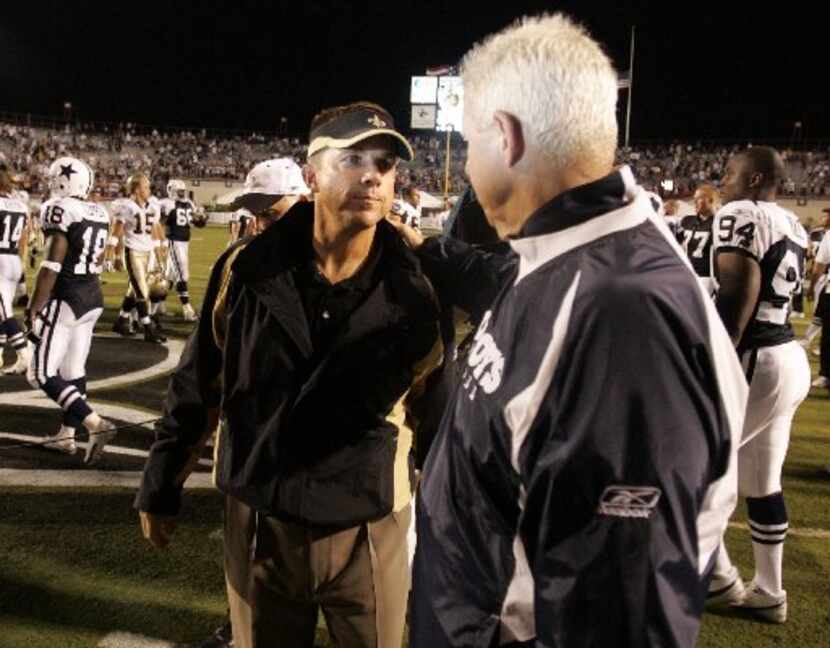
{"type": "Point", "coordinates": [550, 74]}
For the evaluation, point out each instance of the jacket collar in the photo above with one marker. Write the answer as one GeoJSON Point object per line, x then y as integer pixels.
{"type": "Point", "coordinates": [265, 267]}
{"type": "Point", "coordinates": [580, 216]}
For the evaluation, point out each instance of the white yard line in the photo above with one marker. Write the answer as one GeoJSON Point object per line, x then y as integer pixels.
{"type": "Point", "coordinates": [801, 533]}
{"type": "Point", "coordinates": [110, 449]}
{"type": "Point", "coordinates": [175, 348]}
{"type": "Point", "coordinates": [89, 479]}
{"type": "Point", "coordinates": [129, 640]}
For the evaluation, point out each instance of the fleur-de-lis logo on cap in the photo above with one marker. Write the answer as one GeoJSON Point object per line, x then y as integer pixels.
{"type": "Point", "coordinates": [376, 121]}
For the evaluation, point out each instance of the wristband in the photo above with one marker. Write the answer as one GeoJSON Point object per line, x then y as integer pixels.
{"type": "Point", "coordinates": [54, 266]}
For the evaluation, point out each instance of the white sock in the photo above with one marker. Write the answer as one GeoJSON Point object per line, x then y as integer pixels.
{"type": "Point", "coordinates": [145, 321]}
{"type": "Point", "coordinates": [67, 432]}
{"type": "Point", "coordinates": [723, 565]}
{"type": "Point", "coordinates": [123, 314]}
{"type": "Point", "coordinates": [768, 566]}
{"type": "Point", "coordinates": [92, 422]}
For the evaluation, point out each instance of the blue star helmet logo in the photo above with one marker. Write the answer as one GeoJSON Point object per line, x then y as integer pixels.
{"type": "Point", "coordinates": [67, 170]}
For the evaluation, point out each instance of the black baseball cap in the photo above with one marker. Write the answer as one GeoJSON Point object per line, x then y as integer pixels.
{"type": "Point", "coordinates": [354, 124]}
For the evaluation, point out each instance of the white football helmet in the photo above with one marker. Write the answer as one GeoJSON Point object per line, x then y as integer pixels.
{"type": "Point", "coordinates": [70, 177]}
{"type": "Point", "coordinates": [176, 189]}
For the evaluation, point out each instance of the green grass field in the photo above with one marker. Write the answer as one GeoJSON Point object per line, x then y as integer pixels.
{"type": "Point", "coordinates": [74, 568]}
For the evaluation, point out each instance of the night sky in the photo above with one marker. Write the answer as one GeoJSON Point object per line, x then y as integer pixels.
{"type": "Point", "coordinates": [701, 71]}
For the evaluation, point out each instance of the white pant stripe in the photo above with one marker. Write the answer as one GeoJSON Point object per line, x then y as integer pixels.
{"type": "Point", "coordinates": [65, 393]}
{"type": "Point", "coordinates": [71, 400]}
{"type": "Point", "coordinates": [47, 329]}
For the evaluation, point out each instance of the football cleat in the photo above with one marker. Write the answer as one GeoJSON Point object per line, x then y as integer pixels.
{"type": "Point", "coordinates": [24, 357]}
{"type": "Point", "coordinates": [766, 606]}
{"type": "Point", "coordinates": [152, 335]}
{"type": "Point", "coordinates": [63, 441]}
{"type": "Point", "coordinates": [122, 327]}
{"type": "Point", "coordinates": [822, 382]}
{"type": "Point", "coordinates": [726, 591]}
{"type": "Point", "coordinates": [188, 314]}
{"type": "Point", "coordinates": [103, 433]}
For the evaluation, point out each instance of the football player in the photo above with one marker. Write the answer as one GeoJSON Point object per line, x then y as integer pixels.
{"type": "Point", "coordinates": [177, 215]}
{"type": "Point", "coordinates": [695, 234]}
{"type": "Point", "coordinates": [408, 207]}
{"type": "Point", "coordinates": [13, 231]}
{"type": "Point", "coordinates": [819, 286]}
{"type": "Point", "coordinates": [759, 253]}
{"type": "Point", "coordinates": [67, 301]}
{"type": "Point", "coordinates": [32, 244]}
{"type": "Point", "coordinates": [137, 233]}
{"type": "Point", "coordinates": [817, 290]}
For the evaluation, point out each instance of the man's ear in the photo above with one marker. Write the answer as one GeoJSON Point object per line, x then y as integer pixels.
{"type": "Point", "coordinates": [310, 176]}
{"type": "Point", "coordinates": [513, 143]}
{"type": "Point", "coordinates": [756, 179]}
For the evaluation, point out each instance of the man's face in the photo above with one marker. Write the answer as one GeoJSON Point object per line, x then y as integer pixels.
{"type": "Point", "coordinates": [706, 202]}
{"type": "Point", "coordinates": [143, 190]}
{"type": "Point", "coordinates": [413, 197]}
{"type": "Point", "coordinates": [357, 184]}
{"type": "Point", "coordinates": [826, 220]}
{"type": "Point", "coordinates": [486, 171]}
{"type": "Point", "coordinates": [736, 179]}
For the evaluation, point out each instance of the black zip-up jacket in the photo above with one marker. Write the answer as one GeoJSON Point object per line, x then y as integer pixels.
{"type": "Point", "coordinates": [318, 442]}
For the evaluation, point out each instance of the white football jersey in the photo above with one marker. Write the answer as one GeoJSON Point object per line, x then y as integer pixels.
{"type": "Point", "coordinates": [86, 226]}
{"type": "Point", "coordinates": [823, 252]}
{"type": "Point", "coordinates": [245, 219]}
{"type": "Point", "coordinates": [409, 215]}
{"type": "Point", "coordinates": [13, 216]}
{"type": "Point", "coordinates": [775, 238]}
{"type": "Point", "coordinates": [22, 196]}
{"type": "Point", "coordinates": [138, 223]}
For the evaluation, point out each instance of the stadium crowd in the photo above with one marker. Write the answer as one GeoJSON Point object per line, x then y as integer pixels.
{"type": "Point", "coordinates": [116, 150]}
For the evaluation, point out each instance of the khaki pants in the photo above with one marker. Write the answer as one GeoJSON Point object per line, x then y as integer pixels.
{"type": "Point", "coordinates": [279, 574]}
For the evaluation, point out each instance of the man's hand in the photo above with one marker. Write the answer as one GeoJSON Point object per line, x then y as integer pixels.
{"type": "Point", "coordinates": [413, 237]}
{"type": "Point", "coordinates": [157, 528]}
{"type": "Point", "coordinates": [119, 263]}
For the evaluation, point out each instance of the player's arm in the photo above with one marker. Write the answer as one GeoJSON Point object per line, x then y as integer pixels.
{"type": "Point", "coordinates": [23, 243]}
{"type": "Point", "coordinates": [191, 413]}
{"type": "Point", "coordinates": [56, 247]}
{"type": "Point", "coordinates": [818, 270]}
{"type": "Point", "coordinates": [737, 250]}
{"type": "Point", "coordinates": [159, 241]}
{"type": "Point", "coordinates": [821, 259]}
{"type": "Point", "coordinates": [115, 245]}
{"type": "Point", "coordinates": [234, 232]}
{"type": "Point", "coordinates": [739, 283]}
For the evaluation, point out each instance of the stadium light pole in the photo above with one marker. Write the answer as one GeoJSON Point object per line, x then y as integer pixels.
{"type": "Point", "coordinates": [630, 88]}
